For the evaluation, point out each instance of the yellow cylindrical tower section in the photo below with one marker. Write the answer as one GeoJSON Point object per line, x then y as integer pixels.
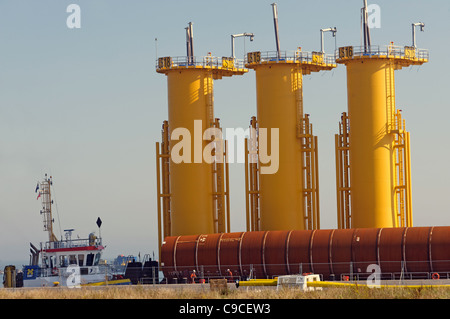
{"type": "Point", "coordinates": [190, 94]}
{"type": "Point", "coordinates": [278, 91]}
{"type": "Point", "coordinates": [192, 181]}
{"type": "Point", "coordinates": [378, 145]}
{"type": "Point", "coordinates": [288, 191]}
{"type": "Point", "coordinates": [371, 151]}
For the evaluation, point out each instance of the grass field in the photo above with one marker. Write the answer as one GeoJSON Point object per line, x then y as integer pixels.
{"type": "Point", "coordinates": [204, 292]}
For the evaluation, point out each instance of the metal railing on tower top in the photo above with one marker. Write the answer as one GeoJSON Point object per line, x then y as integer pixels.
{"type": "Point", "coordinates": [297, 56]}
{"type": "Point", "coordinates": [391, 51]}
{"type": "Point", "coordinates": [202, 61]}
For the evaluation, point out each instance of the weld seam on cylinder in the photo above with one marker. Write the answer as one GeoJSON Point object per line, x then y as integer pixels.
{"type": "Point", "coordinates": [404, 250]}
{"type": "Point", "coordinates": [241, 239]}
{"type": "Point", "coordinates": [430, 260]}
{"type": "Point", "coordinates": [219, 240]}
{"type": "Point", "coordinates": [377, 246]}
{"type": "Point", "coordinates": [263, 253]}
{"type": "Point", "coordinates": [353, 253]}
{"type": "Point", "coordinates": [175, 254]}
{"type": "Point", "coordinates": [330, 249]}
{"type": "Point", "coordinates": [288, 239]}
{"type": "Point", "coordinates": [311, 240]}
{"type": "Point", "coordinates": [196, 252]}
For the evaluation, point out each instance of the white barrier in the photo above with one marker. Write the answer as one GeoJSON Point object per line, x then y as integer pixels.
{"type": "Point", "coordinates": [298, 281]}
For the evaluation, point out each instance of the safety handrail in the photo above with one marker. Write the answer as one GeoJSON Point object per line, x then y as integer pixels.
{"type": "Point", "coordinates": [202, 61]}
{"type": "Point", "coordinates": [395, 266]}
{"type": "Point", "coordinates": [295, 56]}
{"type": "Point", "coordinates": [394, 51]}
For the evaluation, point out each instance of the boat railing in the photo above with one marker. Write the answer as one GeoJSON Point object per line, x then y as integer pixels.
{"type": "Point", "coordinates": [61, 271]}
{"type": "Point", "coordinates": [73, 243]}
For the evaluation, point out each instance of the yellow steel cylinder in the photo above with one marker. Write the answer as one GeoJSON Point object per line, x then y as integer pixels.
{"type": "Point", "coordinates": [190, 94]}
{"type": "Point", "coordinates": [370, 109]}
{"type": "Point", "coordinates": [9, 277]}
{"type": "Point", "coordinates": [278, 86]}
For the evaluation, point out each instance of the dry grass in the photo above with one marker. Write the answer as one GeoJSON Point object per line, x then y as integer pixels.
{"type": "Point", "coordinates": [148, 292]}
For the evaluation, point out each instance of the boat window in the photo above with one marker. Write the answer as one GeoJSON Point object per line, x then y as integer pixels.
{"type": "Point", "coordinates": [72, 260]}
{"type": "Point", "coordinates": [52, 261]}
{"type": "Point", "coordinates": [90, 259]}
{"type": "Point", "coordinates": [45, 262]}
{"type": "Point", "coordinates": [80, 259]}
{"type": "Point", "coordinates": [97, 259]}
{"type": "Point", "coordinates": [63, 262]}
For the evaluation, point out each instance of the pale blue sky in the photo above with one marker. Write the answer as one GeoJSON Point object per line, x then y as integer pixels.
{"type": "Point", "coordinates": [86, 105]}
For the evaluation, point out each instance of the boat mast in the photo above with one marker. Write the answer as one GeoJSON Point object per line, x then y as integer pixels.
{"type": "Point", "coordinates": [46, 198]}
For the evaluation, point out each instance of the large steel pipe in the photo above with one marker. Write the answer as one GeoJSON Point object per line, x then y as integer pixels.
{"type": "Point", "coordinates": [414, 250]}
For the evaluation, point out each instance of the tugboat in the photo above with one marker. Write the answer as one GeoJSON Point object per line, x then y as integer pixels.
{"type": "Point", "coordinates": [66, 262]}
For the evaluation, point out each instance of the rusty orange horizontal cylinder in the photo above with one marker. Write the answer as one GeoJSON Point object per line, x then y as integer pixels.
{"type": "Point", "coordinates": [266, 254]}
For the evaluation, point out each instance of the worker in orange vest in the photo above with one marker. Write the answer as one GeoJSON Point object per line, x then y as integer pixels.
{"type": "Point", "coordinates": [193, 276]}
{"type": "Point", "coordinates": [230, 275]}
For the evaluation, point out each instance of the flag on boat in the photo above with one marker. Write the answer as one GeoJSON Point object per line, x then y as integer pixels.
{"type": "Point", "coordinates": [37, 188]}
{"type": "Point", "coordinates": [39, 195]}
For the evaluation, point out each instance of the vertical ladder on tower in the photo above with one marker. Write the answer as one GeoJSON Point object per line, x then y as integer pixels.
{"type": "Point", "coordinates": [390, 96]}
{"type": "Point", "coordinates": [163, 184]}
{"type": "Point", "coordinates": [343, 189]}
{"type": "Point", "coordinates": [209, 86]}
{"type": "Point", "coordinates": [401, 155]}
{"type": "Point", "coordinates": [220, 173]}
{"type": "Point", "coordinates": [310, 176]}
{"type": "Point", "coordinates": [402, 174]}
{"type": "Point", "coordinates": [298, 87]}
{"type": "Point", "coordinates": [309, 158]}
{"type": "Point", "coordinates": [252, 168]}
